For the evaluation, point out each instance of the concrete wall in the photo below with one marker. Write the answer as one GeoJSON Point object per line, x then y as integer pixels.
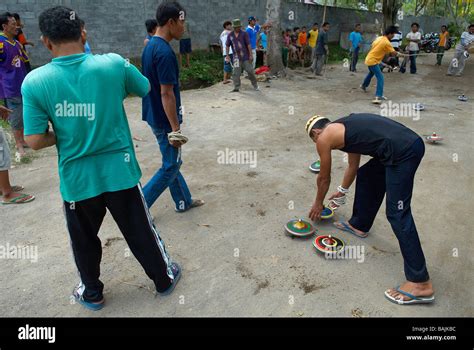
{"type": "Point", "coordinates": [118, 25]}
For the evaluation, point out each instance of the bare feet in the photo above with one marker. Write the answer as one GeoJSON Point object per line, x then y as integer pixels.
{"type": "Point", "coordinates": [424, 289]}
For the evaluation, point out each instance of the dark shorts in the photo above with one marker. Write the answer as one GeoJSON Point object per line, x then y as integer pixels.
{"type": "Point", "coordinates": [185, 46]}
{"type": "Point", "coordinates": [227, 66]}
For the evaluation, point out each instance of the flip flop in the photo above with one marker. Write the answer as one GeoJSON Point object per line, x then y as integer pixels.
{"type": "Point", "coordinates": [195, 203]}
{"type": "Point", "coordinates": [14, 189]}
{"type": "Point", "coordinates": [347, 228]}
{"type": "Point", "coordinates": [24, 198]}
{"type": "Point", "coordinates": [414, 299]}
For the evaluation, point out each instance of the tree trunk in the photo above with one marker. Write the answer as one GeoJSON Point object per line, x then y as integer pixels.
{"type": "Point", "coordinates": [451, 11]}
{"type": "Point", "coordinates": [390, 9]}
{"type": "Point", "coordinates": [274, 37]}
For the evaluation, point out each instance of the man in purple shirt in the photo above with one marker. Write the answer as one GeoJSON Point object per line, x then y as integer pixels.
{"type": "Point", "coordinates": [240, 42]}
{"type": "Point", "coordinates": [12, 74]}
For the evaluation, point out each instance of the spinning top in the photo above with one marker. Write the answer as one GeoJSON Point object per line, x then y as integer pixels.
{"type": "Point", "coordinates": [433, 138]}
{"type": "Point", "coordinates": [328, 244]}
{"type": "Point", "coordinates": [419, 107]}
{"type": "Point", "coordinates": [462, 98]}
{"type": "Point", "coordinates": [315, 167]}
{"type": "Point", "coordinates": [327, 213]}
{"type": "Point", "coordinates": [300, 228]}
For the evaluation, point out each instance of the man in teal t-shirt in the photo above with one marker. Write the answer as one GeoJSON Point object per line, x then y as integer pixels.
{"type": "Point", "coordinates": [82, 97]}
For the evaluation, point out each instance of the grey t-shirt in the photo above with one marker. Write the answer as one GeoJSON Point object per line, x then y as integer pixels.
{"type": "Point", "coordinates": [322, 40]}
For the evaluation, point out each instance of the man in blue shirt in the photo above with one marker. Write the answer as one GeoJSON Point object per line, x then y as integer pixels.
{"type": "Point", "coordinates": [162, 108]}
{"type": "Point", "coordinates": [252, 31]}
{"type": "Point", "coordinates": [355, 39]}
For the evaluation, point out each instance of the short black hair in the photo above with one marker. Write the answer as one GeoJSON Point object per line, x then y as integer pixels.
{"type": "Point", "coordinates": [296, 28]}
{"type": "Point", "coordinates": [17, 16]}
{"type": "Point", "coordinates": [357, 25]}
{"type": "Point", "coordinates": [415, 24]}
{"type": "Point", "coordinates": [315, 24]}
{"type": "Point", "coordinates": [5, 18]}
{"type": "Point", "coordinates": [325, 24]}
{"type": "Point", "coordinates": [391, 30]}
{"type": "Point", "coordinates": [321, 123]}
{"type": "Point", "coordinates": [60, 24]}
{"type": "Point", "coordinates": [226, 23]}
{"type": "Point", "coordinates": [167, 11]}
{"type": "Point", "coordinates": [444, 26]}
{"type": "Point", "coordinates": [470, 26]}
{"type": "Point", "coordinates": [151, 25]}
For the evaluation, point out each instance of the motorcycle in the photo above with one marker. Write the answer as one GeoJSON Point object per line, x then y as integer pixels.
{"type": "Point", "coordinates": [430, 42]}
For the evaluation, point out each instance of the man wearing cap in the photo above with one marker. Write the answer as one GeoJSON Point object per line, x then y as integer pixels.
{"type": "Point", "coordinates": [252, 30]}
{"type": "Point", "coordinates": [240, 43]}
{"type": "Point", "coordinates": [396, 152]}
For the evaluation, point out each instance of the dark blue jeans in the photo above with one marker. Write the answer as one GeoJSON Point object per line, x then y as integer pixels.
{"type": "Point", "coordinates": [374, 180]}
{"type": "Point", "coordinates": [354, 59]}
{"type": "Point", "coordinates": [168, 175]}
{"type": "Point", "coordinates": [412, 58]}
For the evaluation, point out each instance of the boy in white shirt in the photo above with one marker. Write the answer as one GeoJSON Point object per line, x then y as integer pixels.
{"type": "Point", "coordinates": [223, 39]}
{"type": "Point", "coordinates": [414, 37]}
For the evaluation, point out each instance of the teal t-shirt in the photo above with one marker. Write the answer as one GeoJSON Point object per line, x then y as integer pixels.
{"type": "Point", "coordinates": [82, 97]}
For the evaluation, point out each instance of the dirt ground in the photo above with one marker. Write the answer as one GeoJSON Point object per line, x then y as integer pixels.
{"type": "Point", "coordinates": [236, 258]}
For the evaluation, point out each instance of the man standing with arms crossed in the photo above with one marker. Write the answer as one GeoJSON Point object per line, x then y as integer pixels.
{"type": "Point", "coordinates": [82, 97]}
{"type": "Point", "coordinates": [162, 108]}
{"type": "Point", "coordinates": [443, 40]}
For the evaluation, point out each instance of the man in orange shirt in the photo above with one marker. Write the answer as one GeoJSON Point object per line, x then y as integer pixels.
{"type": "Point", "coordinates": [302, 43]}
{"type": "Point", "coordinates": [443, 40]}
{"type": "Point", "coordinates": [380, 47]}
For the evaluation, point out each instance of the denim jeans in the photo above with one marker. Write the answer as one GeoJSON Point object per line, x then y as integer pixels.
{"type": "Point", "coordinates": [375, 70]}
{"type": "Point", "coordinates": [374, 181]}
{"type": "Point", "coordinates": [413, 61]}
{"type": "Point", "coordinates": [168, 175]}
{"type": "Point", "coordinates": [354, 59]}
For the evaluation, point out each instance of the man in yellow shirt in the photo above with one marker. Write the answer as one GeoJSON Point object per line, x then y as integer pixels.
{"type": "Point", "coordinates": [313, 39]}
{"type": "Point", "coordinates": [443, 40]}
{"type": "Point", "coordinates": [380, 47]}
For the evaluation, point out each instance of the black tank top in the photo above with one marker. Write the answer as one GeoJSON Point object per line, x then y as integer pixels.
{"type": "Point", "coordinates": [377, 136]}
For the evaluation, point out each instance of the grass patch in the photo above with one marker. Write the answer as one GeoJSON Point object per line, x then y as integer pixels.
{"type": "Point", "coordinates": [206, 70]}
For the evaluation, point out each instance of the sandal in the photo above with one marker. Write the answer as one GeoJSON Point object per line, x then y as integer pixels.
{"type": "Point", "coordinates": [24, 198]}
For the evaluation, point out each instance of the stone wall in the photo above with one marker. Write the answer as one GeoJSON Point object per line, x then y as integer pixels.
{"type": "Point", "coordinates": [118, 25]}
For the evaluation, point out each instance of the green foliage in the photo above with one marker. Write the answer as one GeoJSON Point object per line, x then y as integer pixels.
{"type": "Point", "coordinates": [455, 30]}
{"type": "Point", "coordinates": [4, 124]}
{"type": "Point", "coordinates": [206, 69]}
